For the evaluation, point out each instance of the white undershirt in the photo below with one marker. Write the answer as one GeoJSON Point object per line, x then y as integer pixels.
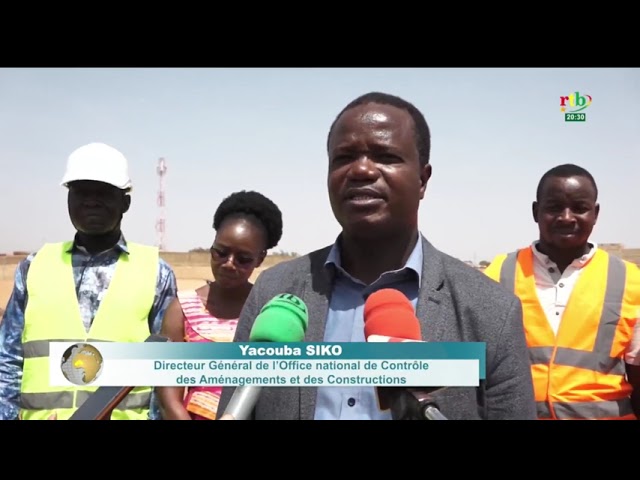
{"type": "Point", "coordinates": [554, 289]}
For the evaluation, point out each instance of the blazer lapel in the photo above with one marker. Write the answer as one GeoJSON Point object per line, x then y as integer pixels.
{"type": "Point", "coordinates": [315, 294]}
{"type": "Point", "coordinates": [429, 310]}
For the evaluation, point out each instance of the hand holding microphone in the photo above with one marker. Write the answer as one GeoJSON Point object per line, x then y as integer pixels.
{"type": "Point", "coordinates": [283, 319]}
{"type": "Point", "coordinates": [389, 317]}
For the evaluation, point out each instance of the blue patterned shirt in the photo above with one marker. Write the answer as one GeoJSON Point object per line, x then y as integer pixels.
{"type": "Point", "coordinates": [92, 274]}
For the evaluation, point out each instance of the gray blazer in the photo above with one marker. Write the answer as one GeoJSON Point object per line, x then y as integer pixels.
{"type": "Point", "coordinates": [456, 303]}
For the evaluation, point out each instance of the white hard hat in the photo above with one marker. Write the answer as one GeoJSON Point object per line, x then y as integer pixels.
{"type": "Point", "coordinates": [98, 162]}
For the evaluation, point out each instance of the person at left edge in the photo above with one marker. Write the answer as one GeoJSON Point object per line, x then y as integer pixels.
{"type": "Point", "coordinates": [98, 287]}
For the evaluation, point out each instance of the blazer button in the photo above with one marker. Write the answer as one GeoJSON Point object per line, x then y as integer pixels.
{"type": "Point", "coordinates": [351, 402]}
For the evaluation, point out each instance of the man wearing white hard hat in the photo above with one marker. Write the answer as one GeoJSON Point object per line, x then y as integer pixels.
{"type": "Point", "coordinates": [98, 287]}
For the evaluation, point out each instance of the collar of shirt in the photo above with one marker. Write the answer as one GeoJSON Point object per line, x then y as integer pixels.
{"type": "Point", "coordinates": [414, 262]}
{"type": "Point", "coordinates": [577, 263]}
{"type": "Point", "coordinates": [120, 245]}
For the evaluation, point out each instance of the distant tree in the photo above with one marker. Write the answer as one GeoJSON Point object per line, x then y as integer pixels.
{"type": "Point", "coordinates": [484, 263]}
{"type": "Point", "coordinates": [282, 253]}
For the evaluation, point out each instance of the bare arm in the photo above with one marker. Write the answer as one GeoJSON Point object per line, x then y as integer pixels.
{"type": "Point", "coordinates": [170, 398]}
{"type": "Point", "coordinates": [509, 391]}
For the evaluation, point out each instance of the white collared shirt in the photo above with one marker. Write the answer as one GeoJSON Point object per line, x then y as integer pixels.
{"type": "Point", "coordinates": [554, 289]}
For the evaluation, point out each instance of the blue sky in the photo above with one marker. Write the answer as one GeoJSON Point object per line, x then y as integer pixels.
{"type": "Point", "coordinates": [494, 133]}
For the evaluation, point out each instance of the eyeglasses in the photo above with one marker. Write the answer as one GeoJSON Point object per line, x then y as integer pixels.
{"type": "Point", "coordinates": [239, 259]}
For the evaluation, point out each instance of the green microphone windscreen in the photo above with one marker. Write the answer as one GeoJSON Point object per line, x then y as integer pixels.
{"type": "Point", "coordinates": [283, 319]}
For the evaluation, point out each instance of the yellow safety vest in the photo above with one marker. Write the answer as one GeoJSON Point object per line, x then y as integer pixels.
{"type": "Point", "coordinates": [53, 314]}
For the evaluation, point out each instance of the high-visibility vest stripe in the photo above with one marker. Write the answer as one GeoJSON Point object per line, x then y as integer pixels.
{"type": "Point", "coordinates": [40, 348]}
{"type": "Point", "coordinates": [61, 400]}
{"type": "Point", "coordinates": [572, 410]}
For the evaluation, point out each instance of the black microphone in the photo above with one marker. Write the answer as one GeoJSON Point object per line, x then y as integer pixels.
{"type": "Point", "coordinates": [282, 319]}
{"type": "Point", "coordinates": [413, 404]}
{"type": "Point", "coordinates": [389, 317]}
{"type": "Point", "coordinates": [105, 400]}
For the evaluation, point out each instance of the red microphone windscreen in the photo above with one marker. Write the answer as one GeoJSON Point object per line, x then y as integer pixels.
{"type": "Point", "coordinates": [389, 312]}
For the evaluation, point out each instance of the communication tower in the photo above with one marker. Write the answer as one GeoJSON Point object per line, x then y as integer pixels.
{"type": "Point", "coordinates": [160, 224]}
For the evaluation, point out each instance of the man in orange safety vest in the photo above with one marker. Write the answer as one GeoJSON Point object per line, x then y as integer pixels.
{"type": "Point", "coordinates": [580, 306]}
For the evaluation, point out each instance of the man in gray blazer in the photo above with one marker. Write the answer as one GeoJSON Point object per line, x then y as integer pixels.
{"type": "Point", "coordinates": [379, 148]}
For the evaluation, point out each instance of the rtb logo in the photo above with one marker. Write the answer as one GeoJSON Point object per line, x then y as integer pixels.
{"type": "Point", "coordinates": [571, 104]}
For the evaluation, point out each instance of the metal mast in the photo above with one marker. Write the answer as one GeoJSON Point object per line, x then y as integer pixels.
{"type": "Point", "coordinates": [160, 224]}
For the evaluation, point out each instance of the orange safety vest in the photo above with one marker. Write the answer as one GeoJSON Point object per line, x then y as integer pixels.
{"type": "Point", "coordinates": [580, 373]}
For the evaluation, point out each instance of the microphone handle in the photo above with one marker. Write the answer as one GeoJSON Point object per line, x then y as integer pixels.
{"type": "Point", "coordinates": [242, 402]}
{"type": "Point", "coordinates": [431, 412]}
{"type": "Point", "coordinates": [428, 408]}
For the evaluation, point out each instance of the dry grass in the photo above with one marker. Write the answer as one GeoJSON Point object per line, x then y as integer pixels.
{"type": "Point", "coordinates": [191, 269]}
